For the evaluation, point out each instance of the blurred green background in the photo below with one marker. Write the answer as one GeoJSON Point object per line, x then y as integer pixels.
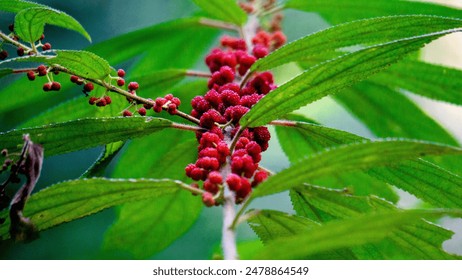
{"type": "Point", "coordinates": [104, 19]}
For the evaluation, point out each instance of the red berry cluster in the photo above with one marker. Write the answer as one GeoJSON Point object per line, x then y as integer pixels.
{"type": "Point", "coordinates": [41, 71]}
{"type": "Point", "coordinates": [220, 110]}
{"type": "Point", "coordinates": [168, 103]}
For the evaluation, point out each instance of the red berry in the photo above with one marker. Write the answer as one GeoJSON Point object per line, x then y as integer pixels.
{"type": "Point", "coordinates": [197, 174]}
{"type": "Point", "coordinates": [259, 177]}
{"type": "Point", "coordinates": [42, 70]}
{"type": "Point", "coordinates": [127, 113]}
{"type": "Point", "coordinates": [176, 101]}
{"type": "Point", "coordinates": [250, 100]}
{"type": "Point", "coordinates": [213, 97]}
{"type": "Point", "coordinates": [42, 37]}
{"type": "Point", "coordinates": [261, 134]}
{"type": "Point", "coordinates": [107, 99]}
{"type": "Point", "coordinates": [226, 74]}
{"type": "Point", "coordinates": [233, 181]}
{"type": "Point", "coordinates": [208, 163]}
{"type": "Point", "coordinates": [223, 148]}
{"type": "Point", "coordinates": [120, 82]}
{"type": "Point", "coordinates": [121, 73]}
{"type": "Point", "coordinates": [279, 39]}
{"type": "Point", "coordinates": [74, 79]}
{"type": "Point", "coordinates": [235, 113]}
{"type": "Point", "coordinates": [20, 51]}
{"type": "Point", "coordinates": [200, 104]}
{"type": "Point", "coordinates": [133, 86]}
{"type": "Point", "coordinates": [92, 100]}
{"type": "Point", "coordinates": [55, 86]}
{"type": "Point", "coordinates": [209, 140]}
{"type": "Point", "coordinates": [253, 148]}
{"type": "Point", "coordinates": [3, 55]}
{"type": "Point", "coordinates": [47, 87]}
{"type": "Point", "coordinates": [157, 109]}
{"type": "Point", "coordinates": [31, 75]}
{"type": "Point", "coordinates": [189, 168]}
{"type": "Point", "coordinates": [148, 105]}
{"type": "Point", "coordinates": [207, 199]}
{"type": "Point", "coordinates": [211, 187]}
{"type": "Point", "coordinates": [142, 111]}
{"type": "Point", "coordinates": [215, 177]}
{"type": "Point", "coordinates": [208, 152]}
{"type": "Point", "coordinates": [244, 190]}
{"type": "Point", "coordinates": [260, 51]}
{"type": "Point", "coordinates": [88, 87]}
{"type": "Point", "coordinates": [101, 102]}
{"type": "Point", "coordinates": [172, 109]}
{"type": "Point", "coordinates": [230, 98]}
{"type": "Point", "coordinates": [46, 47]}
{"type": "Point", "coordinates": [11, 27]}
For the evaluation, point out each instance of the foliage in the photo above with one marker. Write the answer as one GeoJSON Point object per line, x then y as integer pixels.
{"type": "Point", "coordinates": [342, 186]}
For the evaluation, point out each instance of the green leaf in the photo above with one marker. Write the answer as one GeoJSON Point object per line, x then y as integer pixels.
{"type": "Point", "coordinates": [304, 139]}
{"type": "Point", "coordinates": [226, 10]}
{"type": "Point", "coordinates": [270, 225]}
{"type": "Point", "coordinates": [82, 134]}
{"type": "Point", "coordinates": [29, 24]}
{"type": "Point", "coordinates": [421, 178]}
{"type": "Point", "coordinates": [81, 63]}
{"type": "Point", "coordinates": [331, 42]}
{"type": "Point", "coordinates": [67, 201]}
{"type": "Point", "coordinates": [98, 168]}
{"type": "Point", "coordinates": [15, 6]}
{"type": "Point", "coordinates": [330, 77]}
{"type": "Point", "coordinates": [158, 39]}
{"type": "Point", "coordinates": [161, 223]}
{"type": "Point", "coordinates": [324, 205]}
{"type": "Point", "coordinates": [381, 109]}
{"type": "Point", "coordinates": [429, 80]}
{"type": "Point", "coordinates": [364, 229]}
{"type": "Point", "coordinates": [160, 81]}
{"type": "Point", "coordinates": [5, 72]}
{"type": "Point", "coordinates": [357, 156]}
{"type": "Point", "coordinates": [338, 11]}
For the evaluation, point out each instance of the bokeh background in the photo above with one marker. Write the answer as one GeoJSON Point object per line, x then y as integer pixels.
{"type": "Point", "coordinates": [104, 19]}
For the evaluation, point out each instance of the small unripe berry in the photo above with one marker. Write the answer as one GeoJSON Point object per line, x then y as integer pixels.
{"type": "Point", "coordinates": [121, 73]}
{"type": "Point", "coordinates": [120, 82]}
{"type": "Point", "coordinates": [207, 199]}
{"type": "Point", "coordinates": [142, 111]}
{"type": "Point", "coordinates": [88, 87]}
{"type": "Point", "coordinates": [127, 113]}
{"type": "Point", "coordinates": [31, 75]}
{"type": "Point", "coordinates": [55, 86]}
{"type": "Point", "coordinates": [133, 86]}
{"type": "Point", "coordinates": [46, 47]}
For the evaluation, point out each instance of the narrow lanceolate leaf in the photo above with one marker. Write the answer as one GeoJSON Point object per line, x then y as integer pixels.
{"type": "Point", "coordinates": [305, 139]}
{"type": "Point", "coordinates": [160, 81]}
{"type": "Point", "coordinates": [271, 225]}
{"type": "Point", "coordinates": [330, 77]}
{"type": "Point", "coordinates": [328, 43]}
{"type": "Point", "coordinates": [324, 205]}
{"type": "Point", "coordinates": [15, 6]}
{"type": "Point", "coordinates": [226, 10]}
{"type": "Point", "coordinates": [81, 63]}
{"type": "Point", "coordinates": [365, 229]}
{"type": "Point", "coordinates": [338, 11]}
{"type": "Point", "coordinates": [82, 134]}
{"type": "Point", "coordinates": [71, 200]}
{"type": "Point", "coordinates": [357, 156]}
{"type": "Point", "coordinates": [5, 72]}
{"type": "Point", "coordinates": [425, 180]}
{"type": "Point", "coordinates": [145, 228]}
{"type": "Point", "coordinates": [98, 168]}
{"type": "Point", "coordinates": [429, 80]}
{"type": "Point", "coordinates": [29, 24]}
{"type": "Point", "coordinates": [381, 109]}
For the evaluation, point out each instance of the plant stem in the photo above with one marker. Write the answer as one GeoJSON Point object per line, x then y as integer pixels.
{"type": "Point", "coordinates": [229, 235]}
{"type": "Point", "coordinates": [9, 40]}
{"type": "Point", "coordinates": [194, 73]}
{"type": "Point", "coordinates": [218, 24]}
